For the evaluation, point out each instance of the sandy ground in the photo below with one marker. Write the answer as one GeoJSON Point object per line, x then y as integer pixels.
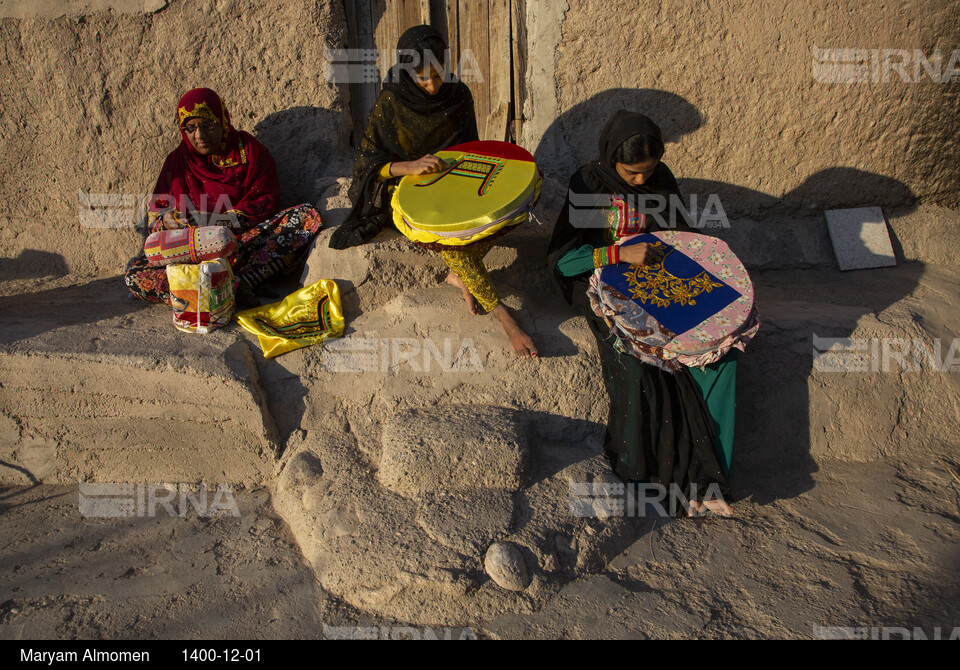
{"type": "Point", "coordinates": [850, 547]}
{"type": "Point", "coordinates": [860, 533]}
{"type": "Point", "coordinates": [869, 546]}
{"type": "Point", "coordinates": [164, 577]}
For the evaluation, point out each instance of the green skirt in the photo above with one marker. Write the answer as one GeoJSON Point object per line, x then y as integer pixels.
{"type": "Point", "coordinates": [718, 384]}
{"type": "Point", "coordinates": [660, 428]}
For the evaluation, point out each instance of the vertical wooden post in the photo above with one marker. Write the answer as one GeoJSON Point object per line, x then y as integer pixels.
{"type": "Point", "coordinates": [452, 12]}
{"type": "Point", "coordinates": [518, 29]}
{"type": "Point", "coordinates": [500, 69]}
{"type": "Point", "coordinates": [353, 42]}
{"type": "Point", "coordinates": [474, 35]}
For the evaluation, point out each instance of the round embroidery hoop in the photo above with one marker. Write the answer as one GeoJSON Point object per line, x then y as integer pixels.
{"type": "Point", "coordinates": [690, 306]}
{"type": "Point", "coordinates": [487, 186]}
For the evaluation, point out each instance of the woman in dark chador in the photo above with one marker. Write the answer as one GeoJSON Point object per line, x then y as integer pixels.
{"type": "Point", "coordinates": [422, 109]}
{"type": "Point", "coordinates": [663, 422]}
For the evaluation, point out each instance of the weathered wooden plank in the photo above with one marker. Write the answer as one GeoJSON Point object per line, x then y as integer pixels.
{"type": "Point", "coordinates": [355, 88]}
{"type": "Point", "coordinates": [365, 21]}
{"type": "Point", "coordinates": [437, 16]}
{"type": "Point", "coordinates": [499, 73]}
{"type": "Point", "coordinates": [497, 122]}
{"type": "Point", "coordinates": [475, 38]}
{"type": "Point", "coordinates": [350, 9]}
{"type": "Point", "coordinates": [367, 18]}
{"type": "Point", "coordinates": [385, 32]}
{"type": "Point", "coordinates": [410, 13]}
{"type": "Point", "coordinates": [518, 30]}
{"type": "Point", "coordinates": [451, 11]}
{"type": "Point", "coordinates": [425, 11]}
{"type": "Point", "coordinates": [360, 35]}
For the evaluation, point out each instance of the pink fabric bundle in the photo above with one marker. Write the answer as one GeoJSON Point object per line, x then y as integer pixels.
{"type": "Point", "coordinates": [189, 245]}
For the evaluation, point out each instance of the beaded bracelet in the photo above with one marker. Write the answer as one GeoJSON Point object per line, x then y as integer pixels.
{"type": "Point", "coordinates": [606, 256]}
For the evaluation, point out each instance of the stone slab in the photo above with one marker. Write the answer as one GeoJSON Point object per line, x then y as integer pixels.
{"type": "Point", "coordinates": [860, 238]}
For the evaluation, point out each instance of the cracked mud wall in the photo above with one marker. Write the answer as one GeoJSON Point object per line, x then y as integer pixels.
{"type": "Point", "coordinates": [89, 86]}
{"type": "Point", "coordinates": [87, 99]}
{"type": "Point", "coordinates": [733, 86]}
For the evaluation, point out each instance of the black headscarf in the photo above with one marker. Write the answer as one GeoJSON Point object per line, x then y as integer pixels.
{"type": "Point", "coordinates": [406, 123]}
{"type": "Point", "coordinates": [601, 177]}
{"type": "Point", "coordinates": [619, 128]}
{"type": "Point", "coordinates": [399, 80]}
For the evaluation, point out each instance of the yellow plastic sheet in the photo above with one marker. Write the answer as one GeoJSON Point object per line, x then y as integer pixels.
{"type": "Point", "coordinates": [309, 316]}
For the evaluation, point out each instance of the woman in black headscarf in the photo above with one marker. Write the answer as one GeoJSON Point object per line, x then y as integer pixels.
{"type": "Point", "coordinates": [659, 427]}
{"type": "Point", "coordinates": [421, 110]}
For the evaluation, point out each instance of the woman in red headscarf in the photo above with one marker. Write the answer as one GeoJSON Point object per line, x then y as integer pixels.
{"type": "Point", "coordinates": [221, 176]}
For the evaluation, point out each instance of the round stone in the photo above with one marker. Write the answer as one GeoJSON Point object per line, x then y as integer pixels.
{"type": "Point", "coordinates": [506, 566]}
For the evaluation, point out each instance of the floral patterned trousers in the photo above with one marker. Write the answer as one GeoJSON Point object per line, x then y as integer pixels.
{"type": "Point", "coordinates": [468, 265]}
{"type": "Point", "coordinates": [268, 249]}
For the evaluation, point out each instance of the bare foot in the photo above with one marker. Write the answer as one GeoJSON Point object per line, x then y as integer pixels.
{"type": "Point", "coordinates": [522, 343]}
{"type": "Point", "coordinates": [717, 506]}
{"type": "Point", "coordinates": [454, 280]}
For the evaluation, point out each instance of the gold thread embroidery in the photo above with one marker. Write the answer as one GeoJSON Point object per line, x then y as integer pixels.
{"type": "Point", "coordinates": [223, 162]}
{"type": "Point", "coordinates": [201, 109]}
{"type": "Point", "coordinates": [653, 284]}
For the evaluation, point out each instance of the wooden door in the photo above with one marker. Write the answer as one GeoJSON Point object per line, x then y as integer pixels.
{"type": "Point", "coordinates": [487, 43]}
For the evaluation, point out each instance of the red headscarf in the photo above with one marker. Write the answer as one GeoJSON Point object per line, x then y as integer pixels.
{"type": "Point", "coordinates": [241, 177]}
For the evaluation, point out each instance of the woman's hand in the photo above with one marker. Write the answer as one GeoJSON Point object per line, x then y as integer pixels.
{"type": "Point", "coordinates": [637, 254]}
{"type": "Point", "coordinates": [169, 222]}
{"type": "Point", "coordinates": [424, 165]}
